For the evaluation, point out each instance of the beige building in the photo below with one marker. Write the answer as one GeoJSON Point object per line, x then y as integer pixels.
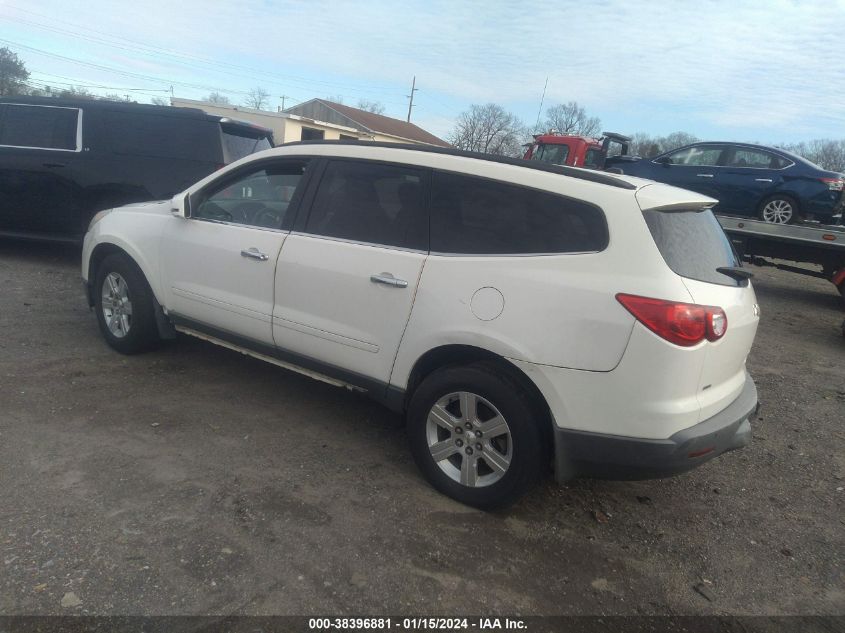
{"type": "Point", "coordinates": [320, 119]}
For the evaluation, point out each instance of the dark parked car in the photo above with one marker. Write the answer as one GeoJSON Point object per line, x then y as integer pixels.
{"type": "Point", "coordinates": [63, 160]}
{"type": "Point", "coordinates": [752, 180]}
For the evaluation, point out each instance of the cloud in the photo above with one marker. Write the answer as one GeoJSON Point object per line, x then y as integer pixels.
{"type": "Point", "coordinates": [761, 68]}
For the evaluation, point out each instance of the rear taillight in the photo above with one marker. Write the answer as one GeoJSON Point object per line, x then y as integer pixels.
{"type": "Point", "coordinates": [684, 324]}
{"type": "Point", "coordinates": [834, 184]}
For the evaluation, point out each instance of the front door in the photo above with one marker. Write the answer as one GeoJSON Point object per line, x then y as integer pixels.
{"type": "Point", "coordinates": [346, 279]}
{"type": "Point", "coordinates": [218, 266]}
{"type": "Point", "coordinates": [695, 168]}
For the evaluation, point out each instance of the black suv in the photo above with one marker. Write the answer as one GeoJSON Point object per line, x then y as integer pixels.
{"type": "Point", "coordinates": [63, 160]}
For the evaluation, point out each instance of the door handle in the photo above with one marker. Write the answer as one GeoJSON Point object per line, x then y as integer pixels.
{"type": "Point", "coordinates": [388, 280]}
{"type": "Point", "coordinates": [704, 175]}
{"type": "Point", "coordinates": [762, 180]}
{"type": "Point", "coordinates": [254, 253]}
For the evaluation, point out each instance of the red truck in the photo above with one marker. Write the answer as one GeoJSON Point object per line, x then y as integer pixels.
{"type": "Point", "coordinates": [576, 151]}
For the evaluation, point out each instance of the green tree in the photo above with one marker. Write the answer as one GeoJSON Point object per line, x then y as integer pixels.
{"type": "Point", "coordinates": [13, 73]}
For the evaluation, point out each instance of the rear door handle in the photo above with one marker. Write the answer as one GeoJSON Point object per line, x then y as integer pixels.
{"type": "Point", "coordinates": [704, 175]}
{"type": "Point", "coordinates": [388, 280]}
{"type": "Point", "coordinates": [254, 253]}
{"type": "Point", "coordinates": [762, 180]}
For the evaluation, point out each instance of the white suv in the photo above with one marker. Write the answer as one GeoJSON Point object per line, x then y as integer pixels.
{"type": "Point", "coordinates": [519, 315]}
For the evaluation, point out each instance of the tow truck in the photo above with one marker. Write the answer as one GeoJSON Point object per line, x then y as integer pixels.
{"type": "Point", "coordinates": [574, 150]}
{"type": "Point", "coordinates": [756, 241]}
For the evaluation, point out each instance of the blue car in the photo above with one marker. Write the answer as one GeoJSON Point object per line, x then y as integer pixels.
{"type": "Point", "coordinates": [752, 180]}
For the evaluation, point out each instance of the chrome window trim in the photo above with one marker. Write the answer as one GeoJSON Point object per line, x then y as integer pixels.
{"type": "Point", "coordinates": [345, 240]}
{"type": "Point", "coordinates": [52, 149]}
{"type": "Point", "coordinates": [500, 255]}
{"type": "Point", "coordinates": [244, 226]}
{"type": "Point", "coordinates": [790, 161]}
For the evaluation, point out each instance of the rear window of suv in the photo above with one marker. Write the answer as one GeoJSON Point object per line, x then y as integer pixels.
{"type": "Point", "coordinates": [236, 146]}
{"type": "Point", "coordinates": [693, 244]}
{"type": "Point", "coordinates": [477, 216]}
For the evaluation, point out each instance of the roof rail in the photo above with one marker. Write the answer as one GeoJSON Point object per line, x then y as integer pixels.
{"type": "Point", "coordinates": [572, 172]}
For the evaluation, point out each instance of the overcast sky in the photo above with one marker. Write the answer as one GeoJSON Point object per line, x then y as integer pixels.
{"type": "Point", "coordinates": [767, 71]}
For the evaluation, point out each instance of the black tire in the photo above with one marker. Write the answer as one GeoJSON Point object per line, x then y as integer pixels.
{"type": "Point", "coordinates": [142, 333]}
{"type": "Point", "coordinates": [529, 459]}
{"type": "Point", "coordinates": [780, 199]}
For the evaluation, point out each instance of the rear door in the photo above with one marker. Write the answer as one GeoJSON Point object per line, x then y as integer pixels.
{"type": "Point", "coordinates": [694, 246]}
{"type": "Point", "coordinates": [347, 277]}
{"type": "Point", "coordinates": [749, 175]}
{"type": "Point", "coordinates": [40, 161]}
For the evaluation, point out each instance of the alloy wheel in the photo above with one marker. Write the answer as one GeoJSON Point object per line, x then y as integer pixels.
{"type": "Point", "coordinates": [778, 211]}
{"type": "Point", "coordinates": [469, 439]}
{"type": "Point", "coordinates": [117, 308]}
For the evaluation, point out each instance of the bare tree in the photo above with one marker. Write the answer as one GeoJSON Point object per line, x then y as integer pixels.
{"type": "Point", "coordinates": [13, 73]}
{"type": "Point", "coordinates": [77, 92]}
{"type": "Point", "coordinates": [160, 101]}
{"type": "Point", "coordinates": [370, 106]}
{"type": "Point", "coordinates": [826, 153]}
{"type": "Point", "coordinates": [258, 98]}
{"type": "Point", "coordinates": [489, 129]}
{"type": "Point", "coordinates": [648, 146]}
{"type": "Point", "coordinates": [216, 97]}
{"type": "Point", "coordinates": [570, 118]}
{"type": "Point", "coordinates": [335, 99]}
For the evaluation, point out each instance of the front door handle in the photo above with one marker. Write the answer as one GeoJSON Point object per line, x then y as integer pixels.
{"type": "Point", "coordinates": [388, 280]}
{"type": "Point", "coordinates": [762, 180]}
{"type": "Point", "coordinates": [254, 253]}
{"type": "Point", "coordinates": [704, 175]}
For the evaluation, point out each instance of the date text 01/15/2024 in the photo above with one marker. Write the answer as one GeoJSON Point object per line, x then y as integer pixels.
{"type": "Point", "coordinates": [415, 624]}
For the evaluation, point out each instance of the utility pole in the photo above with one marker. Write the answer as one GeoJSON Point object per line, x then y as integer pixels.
{"type": "Point", "coordinates": [540, 111]}
{"type": "Point", "coordinates": [411, 97]}
{"type": "Point", "coordinates": [283, 97]}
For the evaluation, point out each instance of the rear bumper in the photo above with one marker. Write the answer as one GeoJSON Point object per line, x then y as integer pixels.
{"type": "Point", "coordinates": [580, 453]}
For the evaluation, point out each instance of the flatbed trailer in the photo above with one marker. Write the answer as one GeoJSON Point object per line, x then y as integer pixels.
{"type": "Point", "coordinates": [822, 245]}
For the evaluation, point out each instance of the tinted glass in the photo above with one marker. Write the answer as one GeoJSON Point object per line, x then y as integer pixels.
{"type": "Point", "coordinates": [697, 156]}
{"type": "Point", "coordinates": [38, 126]}
{"type": "Point", "coordinates": [556, 154]}
{"type": "Point", "coordinates": [693, 244]}
{"type": "Point", "coordinates": [754, 158]}
{"type": "Point", "coordinates": [477, 216]}
{"type": "Point", "coordinates": [236, 146]}
{"type": "Point", "coordinates": [258, 198]}
{"type": "Point", "coordinates": [592, 158]}
{"type": "Point", "coordinates": [164, 136]}
{"type": "Point", "coordinates": [370, 202]}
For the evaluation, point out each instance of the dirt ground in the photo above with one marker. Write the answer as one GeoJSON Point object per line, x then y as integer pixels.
{"type": "Point", "coordinates": [195, 480]}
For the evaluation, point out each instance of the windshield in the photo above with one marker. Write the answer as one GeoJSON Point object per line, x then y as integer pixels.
{"type": "Point", "coordinates": [236, 146]}
{"type": "Point", "coordinates": [551, 153]}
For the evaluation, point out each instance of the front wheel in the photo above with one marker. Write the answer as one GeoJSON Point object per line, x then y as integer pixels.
{"type": "Point", "coordinates": [779, 210]}
{"type": "Point", "coordinates": [475, 436]}
{"type": "Point", "coordinates": [124, 305]}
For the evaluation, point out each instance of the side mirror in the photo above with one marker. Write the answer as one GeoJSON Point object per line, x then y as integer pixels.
{"type": "Point", "coordinates": [180, 206]}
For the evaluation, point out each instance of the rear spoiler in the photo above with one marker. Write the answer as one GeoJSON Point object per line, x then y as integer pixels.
{"type": "Point", "coordinates": [246, 128]}
{"type": "Point", "coordinates": [660, 197]}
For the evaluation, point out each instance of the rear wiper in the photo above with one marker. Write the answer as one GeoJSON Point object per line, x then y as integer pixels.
{"type": "Point", "coordinates": [740, 274]}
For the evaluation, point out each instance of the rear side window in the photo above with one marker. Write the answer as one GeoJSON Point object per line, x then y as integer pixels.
{"type": "Point", "coordinates": [476, 216]}
{"type": "Point", "coordinates": [693, 244]}
{"type": "Point", "coordinates": [163, 136]}
{"type": "Point", "coordinates": [236, 146]}
{"type": "Point", "coordinates": [372, 203]}
{"type": "Point", "coordinates": [44, 127]}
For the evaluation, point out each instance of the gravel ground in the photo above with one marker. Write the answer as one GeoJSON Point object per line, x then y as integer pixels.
{"type": "Point", "coordinates": [195, 480]}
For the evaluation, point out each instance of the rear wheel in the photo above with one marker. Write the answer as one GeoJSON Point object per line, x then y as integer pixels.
{"type": "Point", "coordinates": [779, 210]}
{"type": "Point", "coordinates": [124, 305]}
{"type": "Point", "coordinates": [475, 436]}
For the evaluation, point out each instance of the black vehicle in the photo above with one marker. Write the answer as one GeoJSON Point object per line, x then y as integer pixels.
{"type": "Point", "coordinates": [63, 160]}
{"type": "Point", "coordinates": [751, 180]}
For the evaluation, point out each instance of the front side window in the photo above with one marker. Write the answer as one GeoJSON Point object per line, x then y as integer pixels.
{"type": "Point", "coordinates": [45, 127]}
{"type": "Point", "coordinates": [372, 203]}
{"type": "Point", "coordinates": [160, 135]}
{"type": "Point", "coordinates": [551, 153]}
{"type": "Point", "coordinates": [476, 216]}
{"type": "Point", "coordinates": [260, 197]}
{"type": "Point", "coordinates": [697, 156]}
